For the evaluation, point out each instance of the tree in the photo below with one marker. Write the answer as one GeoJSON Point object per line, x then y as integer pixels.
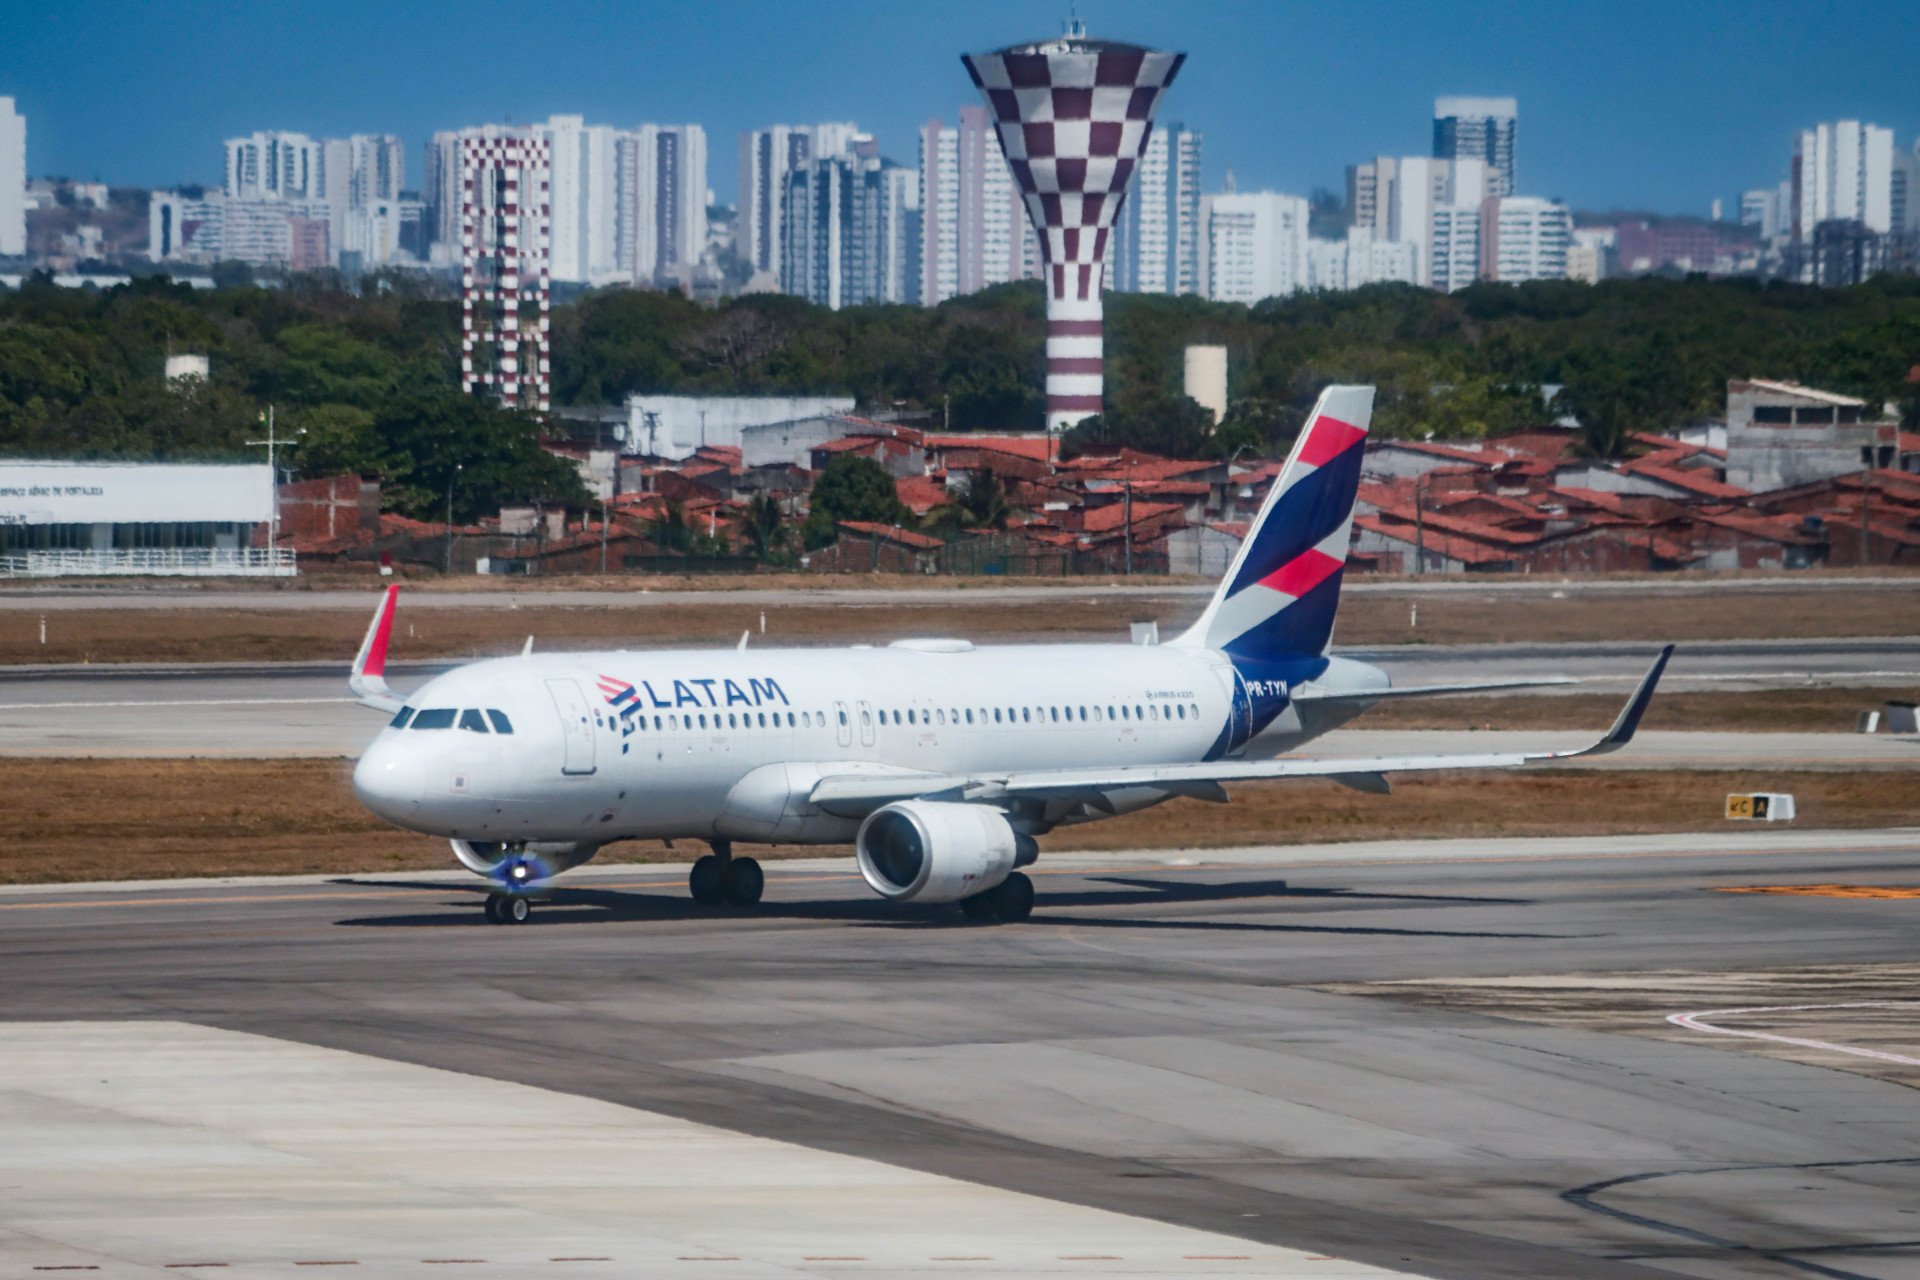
{"type": "Point", "coordinates": [1174, 427]}
{"type": "Point", "coordinates": [485, 455]}
{"type": "Point", "coordinates": [982, 503]}
{"type": "Point", "coordinates": [765, 525]}
{"type": "Point", "coordinates": [852, 488]}
{"type": "Point", "coordinates": [1611, 401]}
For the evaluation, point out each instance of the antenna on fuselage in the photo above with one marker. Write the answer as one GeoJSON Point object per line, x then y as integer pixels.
{"type": "Point", "coordinates": [742, 646]}
{"type": "Point", "coordinates": [527, 651]}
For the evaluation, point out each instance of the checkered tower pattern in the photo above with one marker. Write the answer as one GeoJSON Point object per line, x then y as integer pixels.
{"type": "Point", "coordinates": [506, 207]}
{"type": "Point", "coordinates": [1073, 117]}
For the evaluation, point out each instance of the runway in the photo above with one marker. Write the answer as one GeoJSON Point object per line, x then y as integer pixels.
{"type": "Point", "coordinates": [1158, 1043]}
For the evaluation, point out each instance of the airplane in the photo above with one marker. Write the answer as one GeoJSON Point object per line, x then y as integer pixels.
{"type": "Point", "coordinates": [942, 762]}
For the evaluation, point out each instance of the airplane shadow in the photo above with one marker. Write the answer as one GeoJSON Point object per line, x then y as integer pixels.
{"type": "Point", "coordinates": [572, 905]}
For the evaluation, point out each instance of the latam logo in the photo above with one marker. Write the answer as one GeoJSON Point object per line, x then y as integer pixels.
{"type": "Point", "coordinates": [700, 692]}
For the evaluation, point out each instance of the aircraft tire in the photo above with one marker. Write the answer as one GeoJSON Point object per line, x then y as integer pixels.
{"type": "Point", "coordinates": [514, 909]}
{"type": "Point", "coordinates": [494, 901]}
{"type": "Point", "coordinates": [979, 906]}
{"type": "Point", "coordinates": [745, 882]}
{"type": "Point", "coordinates": [1013, 898]}
{"type": "Point", "coordinates": [708, 881]}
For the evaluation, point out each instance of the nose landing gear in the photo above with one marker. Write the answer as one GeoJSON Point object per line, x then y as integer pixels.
{"type": "Point", "coordinates": [720, 877]}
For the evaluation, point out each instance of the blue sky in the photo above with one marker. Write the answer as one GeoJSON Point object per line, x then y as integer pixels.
{"type": "Point", "coordinates": [1628, 104]}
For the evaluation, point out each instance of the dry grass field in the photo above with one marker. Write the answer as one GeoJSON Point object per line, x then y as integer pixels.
{"type": "Point", "coordinates": [145, 819]}
{"type": "Point", "coordinates": [199, 630]}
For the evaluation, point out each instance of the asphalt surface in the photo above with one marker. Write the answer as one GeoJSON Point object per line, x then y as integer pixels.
{"type": "Point", "coordinates": [1154, 1042]}
{"type": "Point", "coordinates": [247, 710]}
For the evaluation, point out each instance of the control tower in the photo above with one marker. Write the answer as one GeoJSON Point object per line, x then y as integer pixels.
{"type": "Point", "coordinates": [1073, 116]}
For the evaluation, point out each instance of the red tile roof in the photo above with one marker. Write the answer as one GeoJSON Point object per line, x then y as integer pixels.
{"type": "Point", "coordinates": [1033, 448]}
{"type": "Point", "coordinates": [892, 533]}
{"type": "Point", "coordinates": [1114, 515]}
{"type": "Point", "coordinates": [1692, 481]}
{"type": "Point", "coordinates": [921, 493]}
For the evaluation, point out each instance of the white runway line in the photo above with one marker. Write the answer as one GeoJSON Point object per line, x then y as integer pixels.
{"type": "Point", "coordinates": [1697, 1022]}
{"type": "Point", "coordinates": [169, 702]}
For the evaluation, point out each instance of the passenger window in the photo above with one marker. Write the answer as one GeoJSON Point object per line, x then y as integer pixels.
{"type": "Point", "coordinates": [472, 721]}
{"type": "Point", "coordinates": [733, 721]}
{"type": "Point", "coordinates": [1083, 713]}
{"type": "Point", "coordinates": [1138, 714]}
{"type": "Point", "coordinates": [1026, 716]}
{"type": "Point", "coordinates": [1096, 713]}
{"type": "Point", "coordinates": [996, 715]}
{"type": "Point", "coordinates": [909, 717]}
{"type": "Point", "coordinates": [969, 715]}
{"type": "Point", "coordinates": [500, 722]}
{"type": "Point", "coordinates": [703, 719]}
{"type": "Point", "coordinates": [400, 718]}
{"type": "Point", "coordinates": [1110, 714]}
{"type": "Point", "coordinates": [435, 718]}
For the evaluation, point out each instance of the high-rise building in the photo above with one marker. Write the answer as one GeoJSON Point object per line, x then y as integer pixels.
{"type": "Point", "coordinates": [1398, 198]}
{"type": "Point", "coordinates": [1904, 202]}
{"type": "Point", "coordinates": [766, 157]}
{"type": "Point", "coordinates": [1842, 171]}
{"type": "Point", "coordinates": [1157, 239]}
{"type": "Point", "coordinates": [13, 181]}
{"type": "Point", "coordinates": [973, 222]}
{"type": "Point", "coordinates": [851, 227]}
{"type": "Point", "coordinates": [442, 196]}
{"type": "Point", "coordinates": [1073, 115]}
{"type": "Point", "coordinates": [1479, 129]}
{"type": "Point", "coordinates": [1455, 247]}
{"type": "Point", "coordinates": [1524, 238]}
{"type": "Point", "coordinates": [1256, 246]}
{"type": "Point", "coordinates": [583, 246]}
{"type": "Point", "coordinates": [663, 200]}
{"type": "Point", "coordinates": [275, 166]}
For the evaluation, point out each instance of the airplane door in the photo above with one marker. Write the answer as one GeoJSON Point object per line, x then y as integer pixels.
{"type": "Point", "coordinates": [576, 726]}
{"type": "Point", "coordinates": [844, 729]}
{"type": "Point", "coordinates": [866, 725]}
{"type": "Point", "coordinates": [1240, 716]}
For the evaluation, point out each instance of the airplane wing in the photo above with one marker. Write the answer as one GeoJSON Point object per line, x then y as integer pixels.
{"type": "Point", "coordinates": [1431, 690]}
{"type": "Point", "coordinates": [367, 681]}
{"type": "Point", "coordinates": [856, 795]}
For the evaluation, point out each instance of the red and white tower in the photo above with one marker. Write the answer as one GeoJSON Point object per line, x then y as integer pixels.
{"type": "Point", "coordinates": [1073, 116]}
{"type": "Point", "coordinates": [505, 212]}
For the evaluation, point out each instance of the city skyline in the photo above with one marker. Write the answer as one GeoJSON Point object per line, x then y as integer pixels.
{"type": "Point", "coordinates": [1287, 96]}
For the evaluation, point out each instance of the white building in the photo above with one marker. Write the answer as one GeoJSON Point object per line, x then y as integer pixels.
{"type": "Point", "coordinates": [662, 215]}
{"type": "Point", "coordinates": [1398, 196]}
{"type": "Point", "coordinates": [275, 166]}
{"type": "Point", "coordinates": [1157, 238]}
{"type": "Point", "coordinates": [673, 427]}
{"type": "Point", "coordinates": [442, 197]}
{"type": "Point", "coordinates": [1524, 238]}
{"type": "Point", "coordinates": [1357, 261]}
{"type": "Point", "coordinates": [1843, 170]}
{"type": "Point", "coordinates": [1455, 247]}
{"type": "Point", "coordinates": [1592, 249]}
{"type": "Point", "coordinates": [974, 229]}
{"type": "Point", "coordinates": [1483, 129]}
{"type": "Point", "coordinates": [73, 518]}
{"type": "Point", "coordinates": [766, 157]}
{"type": "Point", "coordinates": [851, 230]}
{"type": "Point", "coordinates": [13, 181]}
{"type": "Point", "coordinates": [1256, 246]}
{"type": "Point", "coordinates": [293, 235]}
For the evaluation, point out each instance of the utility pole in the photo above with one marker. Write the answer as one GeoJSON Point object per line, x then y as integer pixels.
{"type": "Point", "coordinates": [1866, 503]}
{"type": "Point", "coordinates": [272, 444]}
{"type": "Point", "coordinates": [1419, 525]}
{"type": "Point", "coordinates": [458, 467]}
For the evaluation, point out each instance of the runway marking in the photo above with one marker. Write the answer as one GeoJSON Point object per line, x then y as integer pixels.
{"type": "Point", "coordinates": [1696, 1022]}
{"type": "Point", "coordinates": [1826, 890]}
{"type": "Point", "coordinates": [169, 702]}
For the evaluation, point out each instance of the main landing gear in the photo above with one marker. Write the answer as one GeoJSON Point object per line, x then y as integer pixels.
{"type": "Point", "coordinates": [507, 908]}
{"type": "Point", "coordinates": [720, 877]}
{"type": "Point", "coordinates": [1011, 901]}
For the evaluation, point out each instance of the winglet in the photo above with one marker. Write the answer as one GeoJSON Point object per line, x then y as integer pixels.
{"type": "Point", "coordinates": [1628, 720]}
{"type": "Point", "coordinates": [367, 680]}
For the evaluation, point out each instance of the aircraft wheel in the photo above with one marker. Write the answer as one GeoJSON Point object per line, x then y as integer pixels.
{"type": "Point", "coordinates": [1012, 898]}
{"type": "Point", "coordinates": [745, 882]}
{"type": "Point", "coordinates": [514, 910]}
{"type": "Point", "coordinates": [494, 903]}
{"type": "Point", "coordinates": [979, 906]}
{"type": "Point", "coordinates": [708, 881]}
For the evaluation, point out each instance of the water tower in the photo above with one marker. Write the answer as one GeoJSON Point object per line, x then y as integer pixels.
{"type": "Point", "coordinates": [1073, 115]}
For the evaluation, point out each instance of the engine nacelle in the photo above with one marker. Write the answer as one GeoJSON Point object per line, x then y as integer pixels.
{"type": "Point", "coordinates": [927, 851]}
{"type": "Point", "coordinates": [550, 857]}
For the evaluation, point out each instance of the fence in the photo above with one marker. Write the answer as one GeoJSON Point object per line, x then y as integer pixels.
{"type": "Point", "coordinates": [199, 562]}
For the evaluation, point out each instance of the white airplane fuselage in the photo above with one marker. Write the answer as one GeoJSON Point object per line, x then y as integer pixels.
{"type": "Point", "coordinates": [727, 744]}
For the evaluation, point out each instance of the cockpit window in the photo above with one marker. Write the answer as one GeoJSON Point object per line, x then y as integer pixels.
{"type": "Point", "coordinates": [500, 722]}
{"type": "Point", "coordinates": [473, 721]}
{"type": "Point", "coordinates": [400, 718]}
{"type": "Point", "coordinates": [435, 718]}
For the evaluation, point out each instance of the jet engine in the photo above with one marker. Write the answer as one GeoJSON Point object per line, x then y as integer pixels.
{"type": "Point", "coordinates": [928, 851]}
{"type": "Point", "coordinates": [524, 864]}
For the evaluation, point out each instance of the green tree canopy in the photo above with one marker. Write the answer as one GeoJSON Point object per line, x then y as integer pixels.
{"type": "Point", "coordinates": [852, 488]}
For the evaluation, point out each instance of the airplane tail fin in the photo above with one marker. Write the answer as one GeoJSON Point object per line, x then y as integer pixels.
{"type": "Point", "coordinates": [368, 679]}
{"type": "Point", "coordinates": [1279, 598]}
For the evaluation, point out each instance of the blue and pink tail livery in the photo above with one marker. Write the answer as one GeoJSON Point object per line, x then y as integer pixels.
{"type": "Point", "coordinates": [1279, 598]}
